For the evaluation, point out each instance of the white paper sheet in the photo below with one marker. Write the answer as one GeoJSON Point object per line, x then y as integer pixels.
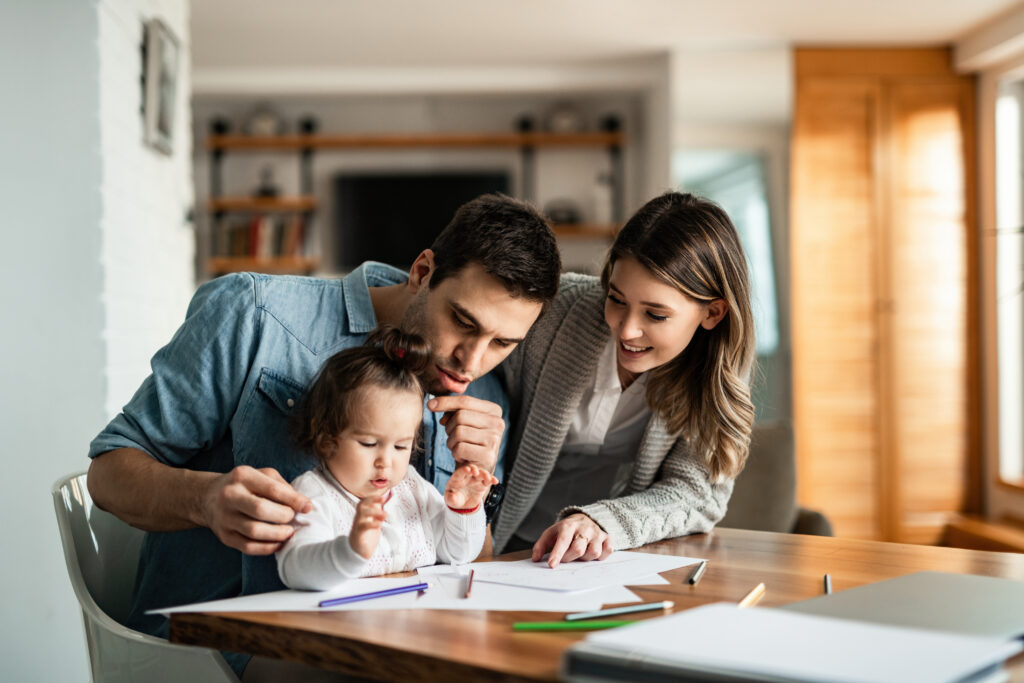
{"type": "Point", "coordinates": [463, 570]}
{"type": "Point", "coordinates": [572, 587]}
{"type": "Point", "coordinates": [621, 568]}
{"type": "Point", "coordinates": [291, 600]}
{"type": "Point", "coordinates": [726, 639]}
{"type": "Point", "coordinates": [445, 591]}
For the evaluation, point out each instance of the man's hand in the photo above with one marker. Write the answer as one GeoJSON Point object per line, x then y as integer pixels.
{"type": "Point", "coordinates": [366, 525]}
{"type": "Point", "coordinates": [249, 509]}
{"type": "Point", "coordinates": [467, 487]}
{"type": "Point", "coordinates": [577, 537]}
{"type": "Point", "coordinates": [474, 429]}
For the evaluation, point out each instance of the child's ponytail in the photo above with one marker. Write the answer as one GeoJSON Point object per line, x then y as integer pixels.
{"type": "Point", "coordinates": [389, 359]}
{"type": "Point", "coordinates": [410, 352]}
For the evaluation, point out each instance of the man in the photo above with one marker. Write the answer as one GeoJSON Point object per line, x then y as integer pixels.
{"type": "Point", "coordinates": [200, 457]}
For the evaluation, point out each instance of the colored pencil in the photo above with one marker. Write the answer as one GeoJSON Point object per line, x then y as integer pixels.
{"type": "Point", "coordinates": [375, 594]}
{"type": "Point", "coordinates": [469, 584]}
{"type": "Point", "coordinates": [753, 597]}
{"type": "Point", "coordinates": [566, 625]}
{"type": "Point", "coordinates": [612, 611]}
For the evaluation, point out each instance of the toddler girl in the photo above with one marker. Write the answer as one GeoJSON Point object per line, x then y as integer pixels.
{"type": "Point", "coordinates": [372, 514]}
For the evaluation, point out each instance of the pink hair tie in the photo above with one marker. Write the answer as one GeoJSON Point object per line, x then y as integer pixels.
{"type": "Point", "coordinates": [400, 352]}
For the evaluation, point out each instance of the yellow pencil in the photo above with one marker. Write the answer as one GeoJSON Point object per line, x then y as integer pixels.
{"type": "Point", "coordinates": [753, 597]}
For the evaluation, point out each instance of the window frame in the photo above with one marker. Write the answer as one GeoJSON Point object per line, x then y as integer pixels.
{"type": "Point", "coordinates": [1003, 498]}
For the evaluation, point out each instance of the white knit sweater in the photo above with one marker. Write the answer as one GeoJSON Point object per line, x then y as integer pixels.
{"type": "Point", "coordinates": [419, 530]}
{"type": "Point", "coordinates": [670, 492]}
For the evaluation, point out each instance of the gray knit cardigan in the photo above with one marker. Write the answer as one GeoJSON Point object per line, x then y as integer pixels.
{"type": "Point", "coordinates": [669, 491]}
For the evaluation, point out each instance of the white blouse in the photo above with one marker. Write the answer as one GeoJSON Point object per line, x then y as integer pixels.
{"type": "Point", "coordinates": [597, 456]}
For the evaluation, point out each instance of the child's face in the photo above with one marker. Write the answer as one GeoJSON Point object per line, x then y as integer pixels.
{"type": "Point", "coordinates": [372, 454]}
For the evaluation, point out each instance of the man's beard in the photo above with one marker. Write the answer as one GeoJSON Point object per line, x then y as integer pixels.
{"type": "Point", "coordinates": [415, 322]}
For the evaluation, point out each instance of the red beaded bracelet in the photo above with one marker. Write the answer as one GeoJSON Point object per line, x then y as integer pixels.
{"type": "Point", "coordinates": [467, 511]}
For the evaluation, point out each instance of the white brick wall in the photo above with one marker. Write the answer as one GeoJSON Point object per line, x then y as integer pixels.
{"type": "Point", "coordinates": [148, 246]}
{"type": "Point", "coordinates": [97, 272]}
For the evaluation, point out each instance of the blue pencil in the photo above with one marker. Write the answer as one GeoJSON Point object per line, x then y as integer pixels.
{"type": "Point", "coordinates": [375, 594]}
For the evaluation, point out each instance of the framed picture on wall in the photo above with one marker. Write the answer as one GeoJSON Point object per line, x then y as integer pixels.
{"type": "Point", "coordinates": [160, 80]}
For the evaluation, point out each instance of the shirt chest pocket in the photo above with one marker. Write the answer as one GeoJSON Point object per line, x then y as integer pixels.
{"type": "Point", "coordinates": [263, 439]}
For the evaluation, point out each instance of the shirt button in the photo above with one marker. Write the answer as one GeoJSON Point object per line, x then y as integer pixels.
{"type": "Point", "coordinates": [291, 402]}
{"type": "Point", "coordinates": [430, 462]}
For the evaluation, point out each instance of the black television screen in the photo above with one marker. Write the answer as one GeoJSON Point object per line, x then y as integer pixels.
{"type": "Point", "coordinates": [392, 217]}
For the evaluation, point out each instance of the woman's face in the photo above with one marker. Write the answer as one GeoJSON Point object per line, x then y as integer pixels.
{"type": "Point", "coordinates": [652, 321]}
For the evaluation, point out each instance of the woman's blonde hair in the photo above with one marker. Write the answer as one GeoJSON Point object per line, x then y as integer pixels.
{"type": "Point", "coordinates": [703, 393]}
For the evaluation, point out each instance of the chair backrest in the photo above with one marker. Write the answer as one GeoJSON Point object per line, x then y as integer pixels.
{"type": "Point", "coordinates": [101, 551]}
{"type": "Point", "coordinates": [764, 496]}
{"type": "Point", "coordinates": [102, 555]}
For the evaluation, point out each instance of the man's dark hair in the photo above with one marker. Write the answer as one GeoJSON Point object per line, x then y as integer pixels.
{"type": "Point", "coordinates": [508, 238]}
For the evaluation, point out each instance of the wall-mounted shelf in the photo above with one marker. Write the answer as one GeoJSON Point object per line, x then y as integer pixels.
{"type": "Point", "coordinates": [586, 230]}
{"type": "Point", "coordinates": [261, 248]}
{"type": "Point", "coordinates": [406, 141]}
{"type": "Point", "coordinates": [300, 203]}
{"type": "Point", "coordinates": [279, 265]}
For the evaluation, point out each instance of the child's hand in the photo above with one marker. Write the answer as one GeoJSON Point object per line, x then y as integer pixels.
{"type": "Point", "coordinates": [468, 487]}
{"type": "Point", "coordinates": [365, 534]}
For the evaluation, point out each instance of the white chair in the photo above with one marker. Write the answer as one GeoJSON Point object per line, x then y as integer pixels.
{"type": "Point", "coordinates": [102, 553]}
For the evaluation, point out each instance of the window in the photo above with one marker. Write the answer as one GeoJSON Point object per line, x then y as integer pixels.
{"type": "Point", "coordinates": [1001, 174]}
{"type": "Point", "coordinates": [1009, 253]}
{"type": "Point", "coordinates": [737, 180]}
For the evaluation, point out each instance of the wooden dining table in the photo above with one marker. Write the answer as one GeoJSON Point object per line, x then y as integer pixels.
{"type": "Point", "coordinates": [471, 645]}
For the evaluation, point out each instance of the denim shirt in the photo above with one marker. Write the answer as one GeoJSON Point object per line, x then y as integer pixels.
{"type": "Point", "coordinates": [220, 395]}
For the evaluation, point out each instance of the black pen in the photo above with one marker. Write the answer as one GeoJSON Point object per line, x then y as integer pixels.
{"type": "Point", "coordinates": [698, 572]}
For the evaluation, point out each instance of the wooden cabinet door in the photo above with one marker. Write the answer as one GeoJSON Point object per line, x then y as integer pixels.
{"type": "Point", "coordinates": [925, 316]}
{"type": "Point", "coordinates": [834, 298]}
{"type": "Point", "coordinates": [881, 234]}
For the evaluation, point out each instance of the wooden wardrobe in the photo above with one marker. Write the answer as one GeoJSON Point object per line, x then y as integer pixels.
{"type": "Point", "coordinates": [883, 248]}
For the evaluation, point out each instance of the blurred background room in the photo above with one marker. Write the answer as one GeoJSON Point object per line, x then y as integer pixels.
{"type": "Point", "coordinates": [870, 154]}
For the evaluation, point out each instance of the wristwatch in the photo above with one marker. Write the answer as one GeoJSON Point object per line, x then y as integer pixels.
{"type": "Point", "coordinates": [493, 500]}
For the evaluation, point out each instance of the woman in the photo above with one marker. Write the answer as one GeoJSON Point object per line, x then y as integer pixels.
{"type": "Point", "coordinates": [630, 403]}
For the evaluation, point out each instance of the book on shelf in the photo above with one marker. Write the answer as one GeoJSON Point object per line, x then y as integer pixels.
{"type": "Point", "coordinates": [260, 236]}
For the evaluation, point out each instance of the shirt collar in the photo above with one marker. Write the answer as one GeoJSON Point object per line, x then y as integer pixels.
{"type": "Point", "coordinates": [607, 378]}
{"type": "Point", "coordinates": [358, 306]}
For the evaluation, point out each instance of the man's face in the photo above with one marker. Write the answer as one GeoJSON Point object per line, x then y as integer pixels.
{"type": "Point", "coordinates": [471, 322]}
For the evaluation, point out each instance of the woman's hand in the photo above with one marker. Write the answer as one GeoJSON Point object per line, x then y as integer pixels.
{"type": "Point", "coordinates": [577, 537]}
{"type": "Point", "coordinates": [369, 519]}
{"type": "Point", "coordinates": [467, 487]}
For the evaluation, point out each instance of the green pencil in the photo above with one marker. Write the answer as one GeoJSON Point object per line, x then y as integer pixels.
{"type": "Point", "coordinates": [566, 625]}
